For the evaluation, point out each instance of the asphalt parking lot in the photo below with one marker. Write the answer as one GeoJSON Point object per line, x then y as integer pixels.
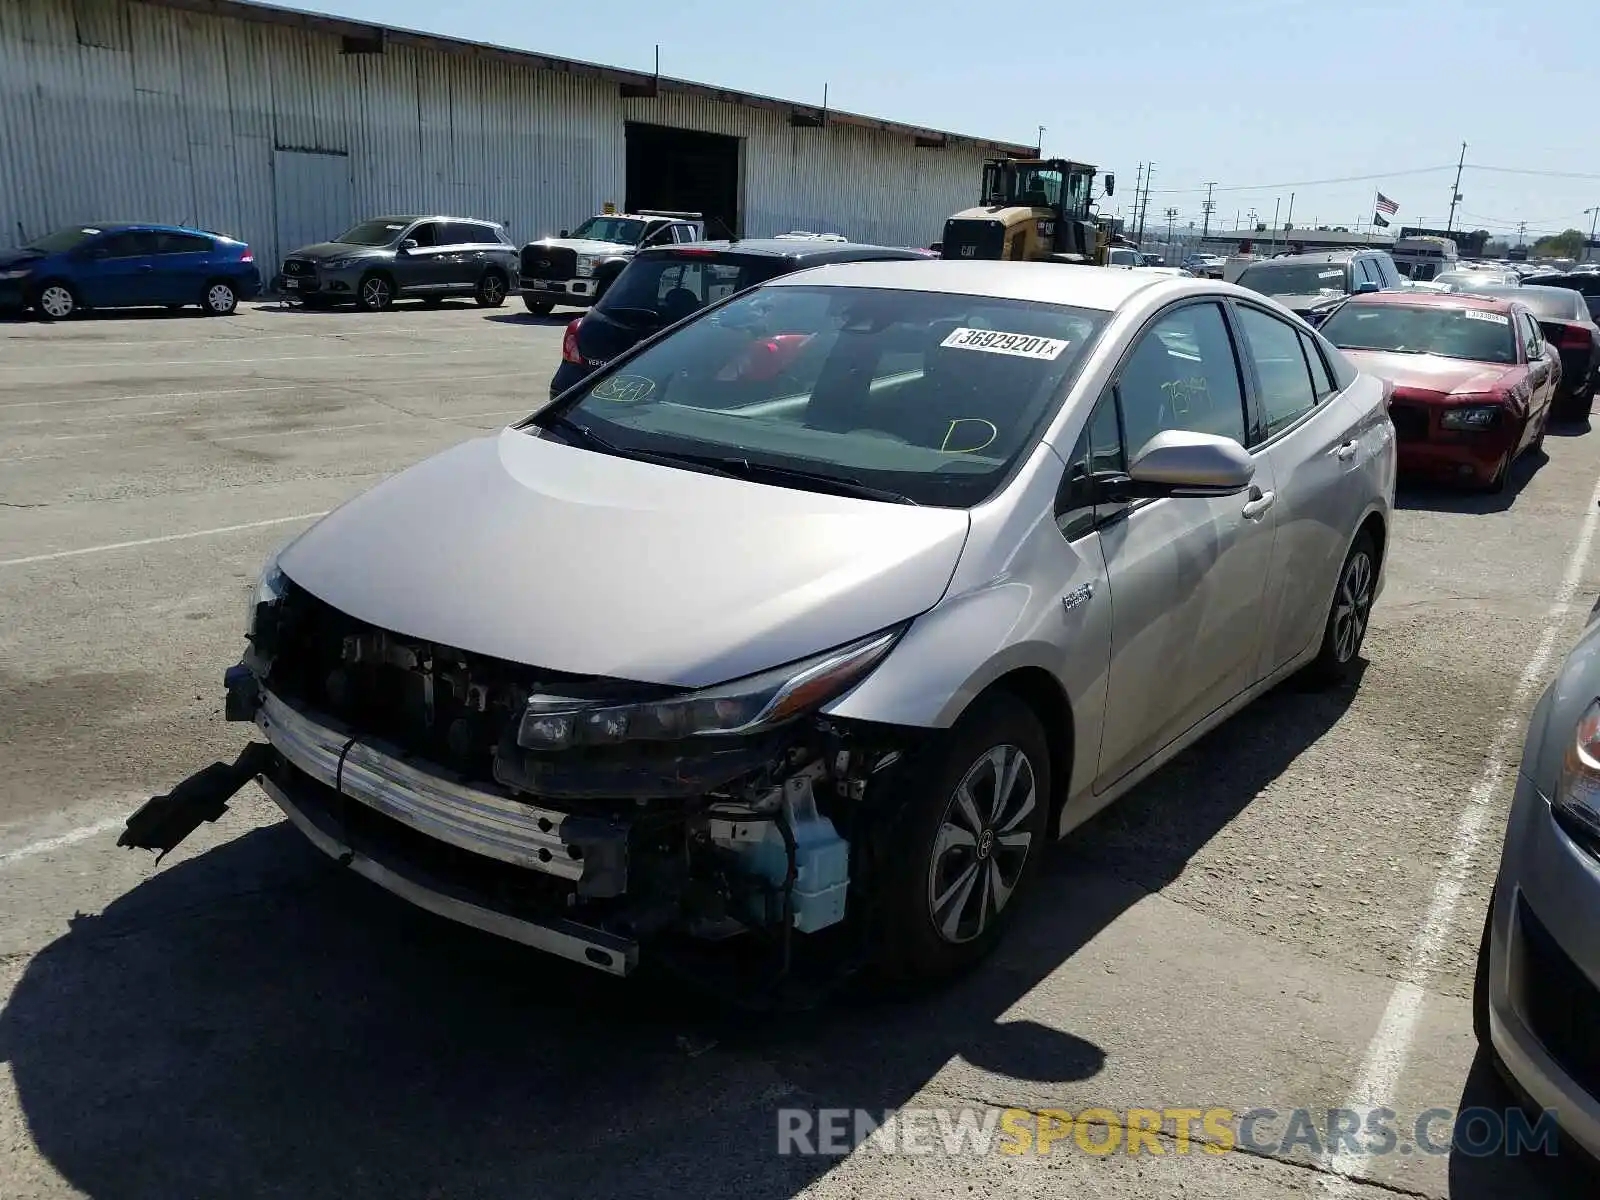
{"type": "Point", "coordinates": [1286, 917]}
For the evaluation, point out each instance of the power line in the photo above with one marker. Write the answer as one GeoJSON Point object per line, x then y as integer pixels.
{"type": "Point", "coordinates": [1540, 174]}
{"type": "Point", "coordinates": [1300, 183]}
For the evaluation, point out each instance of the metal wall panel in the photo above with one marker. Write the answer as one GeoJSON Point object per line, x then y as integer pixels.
{"type": "Point", "coordinates": [117, 109]}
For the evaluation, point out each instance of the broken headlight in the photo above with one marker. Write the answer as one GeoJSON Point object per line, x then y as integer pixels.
{"type": "Point", "coordinates": [748, 705]}
{"type": "Point", "coordinates": [268, 590]}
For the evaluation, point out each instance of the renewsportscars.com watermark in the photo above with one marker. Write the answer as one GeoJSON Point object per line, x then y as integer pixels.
{"type": "Point", "coordinates": [1297, 1132]}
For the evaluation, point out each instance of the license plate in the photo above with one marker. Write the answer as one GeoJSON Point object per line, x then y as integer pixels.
{"type": "Point", "coordinates": [291, 283]}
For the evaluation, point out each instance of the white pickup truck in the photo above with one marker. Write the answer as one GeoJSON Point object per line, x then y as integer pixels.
{"type": "Point", "coordinates": [576, 268]}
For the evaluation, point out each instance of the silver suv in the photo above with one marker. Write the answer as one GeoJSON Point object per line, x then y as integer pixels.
{"type": "Point", "coordinates": [1313, 285]}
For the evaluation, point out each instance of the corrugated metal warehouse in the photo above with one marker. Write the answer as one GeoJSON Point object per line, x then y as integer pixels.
{"type": "Point", "coordinates": [284, 128]}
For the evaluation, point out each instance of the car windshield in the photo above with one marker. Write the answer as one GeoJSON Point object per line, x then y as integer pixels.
{"type": "Point", "coordinates": [921, 396]}
{"type": "Point", "coordinates": [62, 239]}
{"type": "Point", "coordinates": [1294, 279]}
{"type": "Point", "coordinates": [653, 292]}
{"type": "Point", "coordinates": [610, 229]}
{"type": "Point", "coordinates": [373, 233]}
{"type": "Point", "coordinates": [1449, 332]}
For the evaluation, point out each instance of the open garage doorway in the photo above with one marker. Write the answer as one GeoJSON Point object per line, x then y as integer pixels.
{"type": "Point", "coordinates": [684, 170]}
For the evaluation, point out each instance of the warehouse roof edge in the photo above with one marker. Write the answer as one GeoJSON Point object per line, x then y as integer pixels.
{"type": "Point", "coordinates": [384, 35]}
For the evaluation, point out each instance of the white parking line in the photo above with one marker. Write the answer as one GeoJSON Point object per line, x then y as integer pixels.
{"type": "Point", "coordinates": [1391, 1044]}
{"type": "Point", "coordinates": [70, 838]}
{"type": "Point", "coordinates": [229, 362]}
{"type": "Point", "coordinates": [276, 387]}
{"type": "Point", "coordinates": [153, 541]}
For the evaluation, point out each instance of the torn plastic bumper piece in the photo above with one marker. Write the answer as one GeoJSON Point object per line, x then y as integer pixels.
{"type": "Point", "coordinates": [162, 822]}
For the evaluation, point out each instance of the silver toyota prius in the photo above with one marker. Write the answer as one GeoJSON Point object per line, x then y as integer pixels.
{"type": "Point", "coordinates": [809, 621]}
{"type": "Point", "coordinates": [1537, 995]}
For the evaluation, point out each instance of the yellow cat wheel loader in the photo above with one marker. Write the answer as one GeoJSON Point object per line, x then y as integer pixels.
{"type": "Point", "coordinates": [1031, 210]}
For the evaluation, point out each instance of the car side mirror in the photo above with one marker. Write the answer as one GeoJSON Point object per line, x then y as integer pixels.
{"type": "Point", "coordinates": [564, 233]}
{"type": "Point", "coordinates": [1181, 462]}
{"type": "Point", "coordinates": [408, 244]}
{"type": "Point", "coordinates": [1365, 286]}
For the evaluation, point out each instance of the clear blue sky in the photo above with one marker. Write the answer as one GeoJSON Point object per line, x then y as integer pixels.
{"type": "Point", "coordinates": [1243, 92]}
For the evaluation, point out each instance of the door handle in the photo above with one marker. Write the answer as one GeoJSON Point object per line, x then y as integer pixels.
{"type": "Point", "coordinates": [1254, 508]}
{"type": "Point", "coordinates": [1346, 451]}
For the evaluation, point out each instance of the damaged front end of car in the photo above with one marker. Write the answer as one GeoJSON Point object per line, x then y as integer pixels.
{"type": "Point", "coordinates": [583, 816]}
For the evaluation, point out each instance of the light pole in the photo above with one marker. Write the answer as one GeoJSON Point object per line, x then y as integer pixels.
{"type": "Point", "coordinates": [1594, 218]}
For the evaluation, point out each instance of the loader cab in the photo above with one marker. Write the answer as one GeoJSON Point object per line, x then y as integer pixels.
{"type": "Point", "coordinates": [1029, 210]}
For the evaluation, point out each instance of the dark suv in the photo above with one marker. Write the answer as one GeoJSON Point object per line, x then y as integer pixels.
{"type": "Point", "coordinates": [663, 285]}
{"type": "Point", "coordinates": [389, 258]}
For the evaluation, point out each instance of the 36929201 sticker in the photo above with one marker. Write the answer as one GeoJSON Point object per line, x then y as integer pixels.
{"type": "Point", "coordinates": [1474, 314]}
{"type": "Point", "coordinates": [994, 341]}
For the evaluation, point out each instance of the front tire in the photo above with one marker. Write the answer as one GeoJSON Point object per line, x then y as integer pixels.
{"type": "Point", "coordinates": [539, 308]}
{"type": "Point", "coordinates": [55, 301]}
{"type": "Point", "coordinates": [963, 845]}
{"type": "Point", "coordinates": [375, 293]}
{"type": "Point", "coordinates": [1346, 628]}
{"type": "Point", "coordinates": [491, 290]}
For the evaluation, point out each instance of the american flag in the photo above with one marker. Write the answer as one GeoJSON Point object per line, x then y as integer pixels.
{"type": "Point", "coordinates": [1387, 206]}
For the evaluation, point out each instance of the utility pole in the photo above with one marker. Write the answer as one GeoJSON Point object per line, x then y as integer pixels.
{"type": "Point", "coordinates": [1455, 192]}
{"type": "Point", "coordinates": [1594, 217]}
{"type": "Point", "coordinates": [1172, 215]}
{"type": "Point", "coordinates": [1144, 209]}
{"type": "Point", "coordinates": [1133, 215]}
{"type": "Point", "coordinates": [1522, 228]}
{"type": "Point", "coordinates": [1208, 208]}
{"type": "Point", "coordinates": [1289, 220]}
{"type": "Point", "coordinates": [1273, 243]}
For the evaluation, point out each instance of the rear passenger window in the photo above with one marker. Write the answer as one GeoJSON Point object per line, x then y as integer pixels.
{"type": "Point", "coordinates": [1182, 374]}
{"type": "Point", "coordinates": [130, 243]}
{"type": "Point", "coordinates": [1322, 381]}
{"type": "Point", "coordinates": [465, 233]}
{"type": "Point", "coordinates": [182, 243]}
{"type": "Point", "coordinates": [1274, 347]}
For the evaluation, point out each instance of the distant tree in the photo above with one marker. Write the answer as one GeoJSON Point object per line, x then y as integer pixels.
{"type": "Point", "coordinates": [1341, 229]}
{"type": "Point", "coordinates": [1287, 226]}
{"type": "Point", "coordinates": [1566, 244]}
{"type": "Point", "coordinates": [1261, 226]}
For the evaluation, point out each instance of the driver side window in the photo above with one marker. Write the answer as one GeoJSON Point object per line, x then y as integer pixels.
{"type": "Point", "coordinates": [1182, 374]}
{"type": "Point", "coordinates": [425, 234]}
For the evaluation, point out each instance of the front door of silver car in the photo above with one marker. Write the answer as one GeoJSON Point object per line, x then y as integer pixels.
{"type": "Point", "coordinates": [1186, 573]}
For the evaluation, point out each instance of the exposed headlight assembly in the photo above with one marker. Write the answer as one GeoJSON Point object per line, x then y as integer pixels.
{"type": "Point", "coordinates": [1478, 416]}
{"type": "Point", "coordinates": [586, 265]}
{"type": "Point", "coordinates": [1578, 788]}
{"type": "Point", "coordinates": [269, 589]}
{"type": "Point", "coordinates": [748, 705]}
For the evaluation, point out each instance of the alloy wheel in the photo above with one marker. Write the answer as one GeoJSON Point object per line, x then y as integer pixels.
{"type": "Point", "coordinates": [1352, 607]}
{"type": "Point", "coordinates": [219, 297]}
{"type": "Point", "coordinates": [56, 301]}
{"type": "Point", "coordinates": [982, 844]}
{"type": "Point", "coordinates": [375, 292]}
{"type": "Point", "coordinates": [492, 290]}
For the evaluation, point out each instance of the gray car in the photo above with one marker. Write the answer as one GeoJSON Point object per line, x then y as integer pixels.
{"type": "Point", "coordinates": [1537, 996]}
{"type": "Point", "coordinates": [821, 613]}
{"type": "Point", "coordinates": [429, 258]}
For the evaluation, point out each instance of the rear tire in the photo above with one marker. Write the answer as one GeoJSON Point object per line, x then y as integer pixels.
{"type": "Point", "coordinates": [1348, 614]}
{"type": "Point", "coordinates": [55, 301]}
{"type": "Point", "coordinates": [491, 290]}
{"type": "Point", "coordinates": [220, 299]}
{"type": "Point", "coordinates": [539, 308]}
{"type": "Point", "coordinates": [960, 844]}
{"type": "Point", "coordinates": [375, 293]}
{"type": "Point", "coordinates": [1480, 986]}
{"type": "Point", "coordinates": [1497, 481]}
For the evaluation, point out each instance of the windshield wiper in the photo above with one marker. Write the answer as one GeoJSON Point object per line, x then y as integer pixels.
{"type": "Point", "coordinates": [582, 434]}
{"type": "Point", "coordinates": [820, 481]}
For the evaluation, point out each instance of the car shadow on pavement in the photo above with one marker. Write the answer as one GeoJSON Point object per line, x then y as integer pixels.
{"type": "Point", "coordinates": [528, 318]}
{"type": "Point", "coordinates": [1435, 497]}
{"type": "Point", "coordinates": [253, 1021]}
{"type": "Point", "coordinates": [1477, 1172]}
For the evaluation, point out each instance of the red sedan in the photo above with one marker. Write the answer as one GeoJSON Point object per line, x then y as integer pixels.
{"type": "Point", "coordinates": [1473, 378]}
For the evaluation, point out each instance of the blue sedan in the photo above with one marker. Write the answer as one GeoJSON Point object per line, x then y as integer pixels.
{"type": "Point", "coordinates": [127, 266]}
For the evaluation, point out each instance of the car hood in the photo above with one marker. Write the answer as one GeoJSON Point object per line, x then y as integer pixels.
{"type": "Point", "coordinates": [326, 250]}
{"type": "Point", "coordinates": [545, 554]}
{"type": "Point", "coordinates": [1431, 372]}
{"type": "Point", "coordinates": [1307, 301]}
{"type": "Point", "coordinates": [588, 245]}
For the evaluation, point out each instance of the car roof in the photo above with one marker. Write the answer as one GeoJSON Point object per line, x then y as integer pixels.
{"type": "Point", "coordinates": [1498, 304]}
{"type": "Point", "coordinates": [407, 219]}
{"type": "Point", "coordinates": [796, 251]}
{"type": "Point", "coordinates": [1050, 283]}
{"type": "Point", "coordinates": [1316, 256]}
